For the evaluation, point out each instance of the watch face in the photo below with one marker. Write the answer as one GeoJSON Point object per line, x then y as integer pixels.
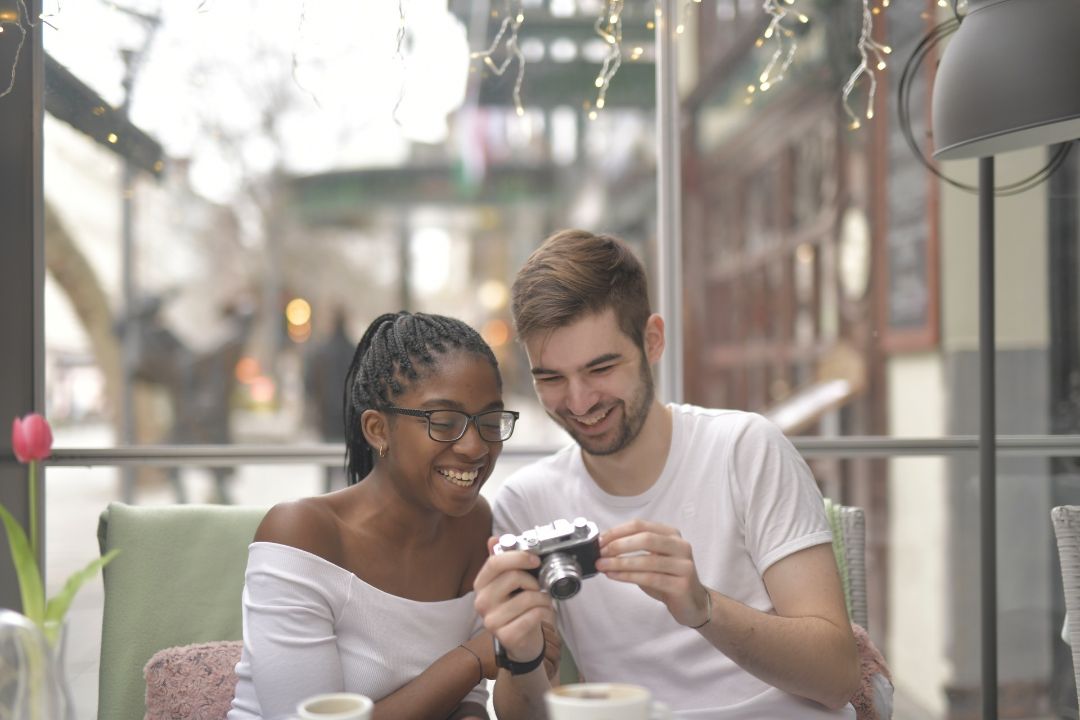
{"type": "Point", "coordinates": [854, 262]}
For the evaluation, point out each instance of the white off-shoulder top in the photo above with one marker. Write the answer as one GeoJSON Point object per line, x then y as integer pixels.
{"type": "Point", "coordinates": [312, 627]}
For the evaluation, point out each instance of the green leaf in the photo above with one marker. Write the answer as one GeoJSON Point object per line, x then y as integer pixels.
{"type": "Point", "coordinates": [61, 601]}
{"type": "Point", "coordinates": [26, 569]}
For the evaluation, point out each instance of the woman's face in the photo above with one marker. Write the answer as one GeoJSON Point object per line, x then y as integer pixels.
{"type": "Point", "coordinates": [445, 476]}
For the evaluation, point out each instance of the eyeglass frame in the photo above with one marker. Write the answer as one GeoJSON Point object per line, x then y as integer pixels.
{"type": "Point", "coordinates": [426, 414]}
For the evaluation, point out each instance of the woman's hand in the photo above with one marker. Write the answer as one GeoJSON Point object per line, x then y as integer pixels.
{"type": "Point", "coordinates": [552, 649]}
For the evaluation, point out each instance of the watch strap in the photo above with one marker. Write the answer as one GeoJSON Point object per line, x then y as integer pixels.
{"type": "Point", "coordinates": [516, 668]}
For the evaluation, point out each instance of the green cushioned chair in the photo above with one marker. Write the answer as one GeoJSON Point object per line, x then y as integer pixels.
{"type": "Point", "coordinates": [178, 580]}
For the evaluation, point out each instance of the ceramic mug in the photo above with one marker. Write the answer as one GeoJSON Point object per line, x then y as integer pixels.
{"type": "Point", "coordinates": [603, 701]}
{"type": "Point", "coordinates": [336, 706]}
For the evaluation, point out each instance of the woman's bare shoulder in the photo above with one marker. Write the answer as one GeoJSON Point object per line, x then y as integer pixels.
{"type": "Point", "coordinates": [309, 524]}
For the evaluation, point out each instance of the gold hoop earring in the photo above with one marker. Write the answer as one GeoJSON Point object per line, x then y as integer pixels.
{"type": "Point", "coordinates": [382, 451]}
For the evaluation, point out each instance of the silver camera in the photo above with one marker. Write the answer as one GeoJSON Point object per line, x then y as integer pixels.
{"type": "Point", "coordinates": [568, 552]}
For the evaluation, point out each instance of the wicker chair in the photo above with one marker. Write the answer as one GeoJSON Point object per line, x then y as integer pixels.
{"type": "Point", "coordinates": [1067, 530]}
{"type": "Point", "coordinates": [849, 544]}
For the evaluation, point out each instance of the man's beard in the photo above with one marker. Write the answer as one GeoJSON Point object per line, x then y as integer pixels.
{"type": "Point", "coordinates": [633, 419]}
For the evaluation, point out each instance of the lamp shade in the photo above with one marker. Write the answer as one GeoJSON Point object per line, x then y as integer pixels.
{"type": "Point", "coordinates": [1009, 79]}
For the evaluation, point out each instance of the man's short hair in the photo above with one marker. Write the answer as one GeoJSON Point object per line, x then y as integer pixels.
{"type": "Point", "coordinates": [575, 273]}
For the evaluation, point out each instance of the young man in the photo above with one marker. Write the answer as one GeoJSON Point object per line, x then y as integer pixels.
{"type": "Point", "coordinates": [718, 589]}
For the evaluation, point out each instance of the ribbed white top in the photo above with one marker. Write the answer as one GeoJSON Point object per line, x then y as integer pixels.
{"type": "Point", "coordinates": [313, 627]}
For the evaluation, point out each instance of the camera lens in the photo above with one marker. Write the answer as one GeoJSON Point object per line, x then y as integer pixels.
{"type": "Point", "coordinates": [560, 575]}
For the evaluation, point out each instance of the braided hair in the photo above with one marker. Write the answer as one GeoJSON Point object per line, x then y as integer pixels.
{"type": "Point", "coordinates": [394, 350]}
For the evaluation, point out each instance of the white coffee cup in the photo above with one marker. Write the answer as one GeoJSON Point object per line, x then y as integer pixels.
{"type": "Point", "coordinates": [336, 706]}
{"type": "Point", "coordinates": [603, 701]}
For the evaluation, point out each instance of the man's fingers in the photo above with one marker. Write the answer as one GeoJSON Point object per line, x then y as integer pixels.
{"type": "Point", "coordinates": [659, 564]}
{"type": "Point", "coordinates": [647, 541]}
{"type": "Point", "coordinates": [633, 528]}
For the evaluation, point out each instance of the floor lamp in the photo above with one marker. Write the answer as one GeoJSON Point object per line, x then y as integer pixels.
{"type": "Point", "coordinates": [1009, 79]}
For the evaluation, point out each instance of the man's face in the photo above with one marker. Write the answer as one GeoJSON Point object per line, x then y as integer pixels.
{"type": "Point", "coordinates": [594, 381]}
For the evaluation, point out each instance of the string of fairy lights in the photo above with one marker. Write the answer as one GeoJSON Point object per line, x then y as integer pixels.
{"type": "Point", "coordinates": [504, 51]}
{"type": "Point", "coordinates": [871, 57]}
{"type": "Point", "coordinates": [507, 38]}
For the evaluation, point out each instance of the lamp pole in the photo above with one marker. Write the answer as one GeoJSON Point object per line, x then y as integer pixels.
{"type": "Point", "coordinates": [987, 440]}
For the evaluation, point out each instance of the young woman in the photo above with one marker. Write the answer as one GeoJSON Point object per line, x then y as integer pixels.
{"type": "Point", "coordinates": [369, 589]}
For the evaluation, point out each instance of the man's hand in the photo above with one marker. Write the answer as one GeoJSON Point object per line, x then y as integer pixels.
{"type": "Point", "coordinates": [657, 559]}
{"type": "Point", "coordinates": [511, 603]}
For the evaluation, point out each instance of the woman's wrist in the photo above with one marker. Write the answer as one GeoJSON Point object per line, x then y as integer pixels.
{"type": "Point", "coordinates": [479, 662]}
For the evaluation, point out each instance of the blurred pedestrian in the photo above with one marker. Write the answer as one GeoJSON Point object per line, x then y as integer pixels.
{"type": "Point", "coordinates": [324, 377]}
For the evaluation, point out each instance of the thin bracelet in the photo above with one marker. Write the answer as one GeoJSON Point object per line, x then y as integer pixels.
{"type": "Point", "coordinates": [479, 662]}
{"type": "Point", "coordinates": [708, 611]}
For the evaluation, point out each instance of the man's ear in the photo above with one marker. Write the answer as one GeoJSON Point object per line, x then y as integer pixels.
{"type": "Point", "coordinates": [376, 429]}
{"type": "Point", "coordinates": [654, 338]}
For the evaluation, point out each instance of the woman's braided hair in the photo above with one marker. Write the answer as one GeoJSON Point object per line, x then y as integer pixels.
{"type": "Point", "coordinates": [396, 349]}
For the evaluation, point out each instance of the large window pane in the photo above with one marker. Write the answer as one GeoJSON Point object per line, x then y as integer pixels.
{"type": "Point", "coordinates": [224, 180]}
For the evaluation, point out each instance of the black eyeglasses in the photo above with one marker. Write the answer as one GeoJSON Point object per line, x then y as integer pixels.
{"type": "Point", "coordinates": [450, 425]}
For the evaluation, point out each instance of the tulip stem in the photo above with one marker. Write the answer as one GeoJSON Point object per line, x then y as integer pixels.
{"type": "Point", "coordinates": [33, 515]}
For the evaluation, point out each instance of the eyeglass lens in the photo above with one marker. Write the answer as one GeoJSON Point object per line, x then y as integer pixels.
{"type": "Point", "coordinates": [449, 425]}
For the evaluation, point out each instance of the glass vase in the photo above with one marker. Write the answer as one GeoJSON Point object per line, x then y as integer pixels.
{"type": "Point", "coordinates": [33, 681]}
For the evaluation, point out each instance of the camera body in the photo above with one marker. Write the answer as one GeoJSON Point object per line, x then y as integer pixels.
{"type": "Point", "coordinates": [568, 553]}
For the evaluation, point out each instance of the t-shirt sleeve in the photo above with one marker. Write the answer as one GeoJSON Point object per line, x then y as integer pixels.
{"type": "Point", "coordinates": [509, 511]}
{"type": "Point", "coordinates": [289, 605]}
{"type": "Point", "coordinates": [783, 511]}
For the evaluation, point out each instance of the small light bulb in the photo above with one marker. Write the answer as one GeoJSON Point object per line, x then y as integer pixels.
{"type": "Point", "coordinates": [886, 49]}
{"type": "Point", "coordinates": [615, 19]}
{"type": "Point", "coordinates": [884, 3]}
{"type": "Point", "coordinates": [521, 18]}
{"type": "Point", "coordinates": [600, 102]}
{"type": "Point", "coordinates": [650, 25]}
{"type": "Point", "coordinates": [876, 11]}
{"type": "Point", "coordinates": [112, 138]}
{"type": "Point", "coordinates": [750, 89]}
{"type": "Point", "coordinates": [768, 32]}
{"type": "Point", "coordinates": [943, 3]}
{"type": "Point", "coordinates": [599, 82]}
{"type": "Point", "coordinates": [764, 77]}
{"type": "Point", "coordinates": [869, 113]}
{"type": "Point", "coordinates": [765, 85]}
{"type": "Point", "coordinates": [490, 63]}
{"type": "Point", "coordinates": [855, 125]}
{"type": "Point", "coordinates": [803, 19]}
{"type": "Point", "coordinates": [679, 29]}
{"type": "Point", "coordinates": [520, 111]}
{"type": "Point", "coordinates": [592, 114]}
{"type": "Point", "coordinates": [881, 65]}
{"type": "Point", "coordinates": [759, 42]}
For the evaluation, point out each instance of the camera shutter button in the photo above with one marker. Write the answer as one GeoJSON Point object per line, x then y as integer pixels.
{"type": "Point", "coordinates": [508, 541]}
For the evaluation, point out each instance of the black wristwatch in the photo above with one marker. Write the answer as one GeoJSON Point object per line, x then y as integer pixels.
{"type": "Point", "coordinates": [516, 668]}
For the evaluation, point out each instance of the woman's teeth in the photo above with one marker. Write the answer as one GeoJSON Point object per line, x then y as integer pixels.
{"type": "Point", "coordinates": [461, 479]}
{"type": "Point", "coordinates": [592, 420]}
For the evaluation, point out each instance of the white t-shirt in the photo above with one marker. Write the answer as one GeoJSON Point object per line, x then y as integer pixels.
{"type": "Point", "coordinates": [741, 494]}
{"type": "Point", "coordinates": [312, 627]}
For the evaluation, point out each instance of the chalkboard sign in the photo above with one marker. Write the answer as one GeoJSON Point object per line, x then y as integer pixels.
{"type": "Point", "coordinates": [911, 252]}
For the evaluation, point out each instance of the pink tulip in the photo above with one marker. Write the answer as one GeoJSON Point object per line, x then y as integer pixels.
{"type": "Point", "coordinates": [31, 438]}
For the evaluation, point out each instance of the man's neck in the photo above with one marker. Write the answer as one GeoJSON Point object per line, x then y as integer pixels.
{"type": "Point", "coordinates": [635, 468]}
